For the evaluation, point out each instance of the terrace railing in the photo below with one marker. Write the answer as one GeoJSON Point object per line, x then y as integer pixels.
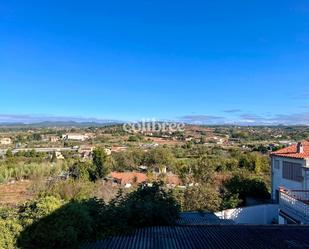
{"type": "Point", "coordinates": [295, 203]}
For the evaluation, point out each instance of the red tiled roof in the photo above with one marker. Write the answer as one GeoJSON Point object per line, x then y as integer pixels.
{"type": "Point", "coordinates": [173, 179]}
{"type": "Point", "coordinates": [129, 177]}
{"type": "Point", "coordinates": [136, 177]}
{"type": "Point", "coordinates": [291, 151]}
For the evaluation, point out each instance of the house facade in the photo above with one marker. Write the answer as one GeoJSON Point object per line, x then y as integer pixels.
{"type": "Point", "coordinates": [290, 183]}
{"type": "Point", "coordinates": [75, 136]}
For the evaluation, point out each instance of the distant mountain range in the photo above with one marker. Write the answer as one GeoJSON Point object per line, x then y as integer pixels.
{"type": "Point", "coordinates": [60, 124]}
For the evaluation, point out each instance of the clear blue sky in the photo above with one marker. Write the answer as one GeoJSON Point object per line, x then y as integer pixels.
{"type": "Point", "coordinates": [205, 61]}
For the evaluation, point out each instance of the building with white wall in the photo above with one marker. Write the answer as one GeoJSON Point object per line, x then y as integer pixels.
{"type": "Point", "coordinates": [75, 136]}
{"type": "Point", "coordinates": [290, 183]}
{"type": "Point", "coordinates": [255, 215]}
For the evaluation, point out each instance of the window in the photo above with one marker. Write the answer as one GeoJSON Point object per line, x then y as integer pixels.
{"type": "Point", "coordinates": [277, 164]}
{"type": "Point", "coordinates": [292, 171]}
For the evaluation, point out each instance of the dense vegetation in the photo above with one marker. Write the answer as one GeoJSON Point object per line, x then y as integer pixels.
{"type": "Point", "coordinates": [204, 167]}
{"type": "Point", "coordinates": [69, 208]}
{"type": "Point", "coordinates": [51, 222]}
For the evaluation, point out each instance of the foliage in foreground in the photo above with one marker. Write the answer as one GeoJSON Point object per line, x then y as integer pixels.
{"type": "Point", "coordinates": [49, 222]}
{"type": "Point", "coordinates": [9, 231]}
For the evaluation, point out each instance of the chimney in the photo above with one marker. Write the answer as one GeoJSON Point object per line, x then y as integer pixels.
{"type": "Point", "coordinates": [300, 148]}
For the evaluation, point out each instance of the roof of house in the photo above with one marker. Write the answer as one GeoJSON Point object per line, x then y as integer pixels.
{"type": "Point", "coordinates": [291, 151]}
{"type": "Point", "coordinates": [137, 177]}
{"type": "Point", "coordinates": [173, 179]}
{"type": "Point", "coordinates": [214, 236]}
{"type": "Point", "coordinates": [200, 218]}
{"type": "Point", "coordinates": [129, 177]}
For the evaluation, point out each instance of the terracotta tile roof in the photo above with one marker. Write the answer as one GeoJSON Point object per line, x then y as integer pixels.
{"type": "Point", "coordinates": [129, 177]}
{"type": "Point", "coordinates": [291, 151]}
{"type": "Point", "coordinates": [174, 180]}
{"type": "Point", "coordinates": [136, 177]}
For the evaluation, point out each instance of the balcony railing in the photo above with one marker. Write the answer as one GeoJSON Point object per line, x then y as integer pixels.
{"type": "Point", "coordinates": [295, 203]}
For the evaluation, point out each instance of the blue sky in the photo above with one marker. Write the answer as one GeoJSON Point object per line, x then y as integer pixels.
{"type": "Point", "coordinates": [199, 61]}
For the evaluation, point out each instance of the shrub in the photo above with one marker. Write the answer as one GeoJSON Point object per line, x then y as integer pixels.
{"type": "Point", "coordinates": [82, 171]}
{"type": "Point", "coordinates": [71, 189]}
{"type": "Point", "coordinates": [34, 210]}
{"type": "Point", "coordinates": [199, 198]}
{"type": "Point", "coordinates": [9, 230]}
{"type": "Point", "coordinates": [66, 227]}
{"type": "Point", "coordinates": [247, 187]}
{"type": "Point", "coordinates": [147, 206]}
{"type": "Point", "coordinates": [51, 224]}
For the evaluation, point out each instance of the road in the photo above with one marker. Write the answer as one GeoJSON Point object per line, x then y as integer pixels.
{"type": "Point", "coordinates": [3, 151]}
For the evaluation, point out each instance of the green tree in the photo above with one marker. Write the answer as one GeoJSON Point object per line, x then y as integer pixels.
{"type": "Point", "coordinates": [247, 187]}
{"type": "Point", "coordinates": [82, 171]}
{"type": "Point", "coordinates": [124, 161]}
{"type": "Point", "coordinates": [134, 138]}
{"type": "Point", "coordinates": [160, 157]}
{"type": "Point", "coordinates": [201, 198]}
{"type": "Point", "coordinates": [76, 222]}
{"type": "Point", "coordinates": [9, 153]}
{"type": "Point", "coordinates": [36, 136]}
{"type": "Point", "coordinates": [34, 210]}
{"type": "Point", "coordinates": [204, 169]}
{"type": "Point", "coordinates": [147, 206]}
{"type": "Point", "coordinates": [99, 161]}
{"type": "Point", "coordinates": [66, 227]}
{"type": "Point", "coordinates": [229, 200]}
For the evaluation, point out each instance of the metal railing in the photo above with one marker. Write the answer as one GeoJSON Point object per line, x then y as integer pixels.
{"type": "Point", "coordinates": [295, 203]}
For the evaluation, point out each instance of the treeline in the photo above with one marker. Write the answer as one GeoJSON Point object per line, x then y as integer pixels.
{"type": "Point", "coordinates": [188, 155]}
{"type": "Point", "coordinates": [210, 173]}
{"type": "Point", "coordinates": [203, 170]}
{"type": "Point", "coordinates": [29, 171]}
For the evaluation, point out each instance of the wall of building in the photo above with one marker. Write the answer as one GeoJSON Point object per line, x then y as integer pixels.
{"type": "Point", "coordinates": [279, 181]}
{"type": "Point", "coordinates": [256, 215]}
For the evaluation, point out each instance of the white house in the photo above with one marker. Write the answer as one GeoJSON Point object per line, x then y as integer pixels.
{"type": "Point", "coordinates": [75, 136]}
{"type": "Point", "coordinates": [290, 183]}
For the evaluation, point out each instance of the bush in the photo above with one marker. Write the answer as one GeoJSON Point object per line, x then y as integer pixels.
{"type": "Point", "coordinates": [82, 171]}
{"type": "Point", "coordinates": [66, 227]}
{"type": "Point", "coordinates": [9, 231]}
{"type": "Point", "coordinates": [199, 198]}
{"type": "Point", "coordinates": [247, 187]}
{"type": "Point", "coordinates": [51, 224]}
{"type": "Point", "coordinates": [71, 189]}
{"type": "Point", "coordinates": [147, 206]}
{"type": "Point", "coordinates": [134, 138]}
{"type": "Point", "coordinates": [34, 210]}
